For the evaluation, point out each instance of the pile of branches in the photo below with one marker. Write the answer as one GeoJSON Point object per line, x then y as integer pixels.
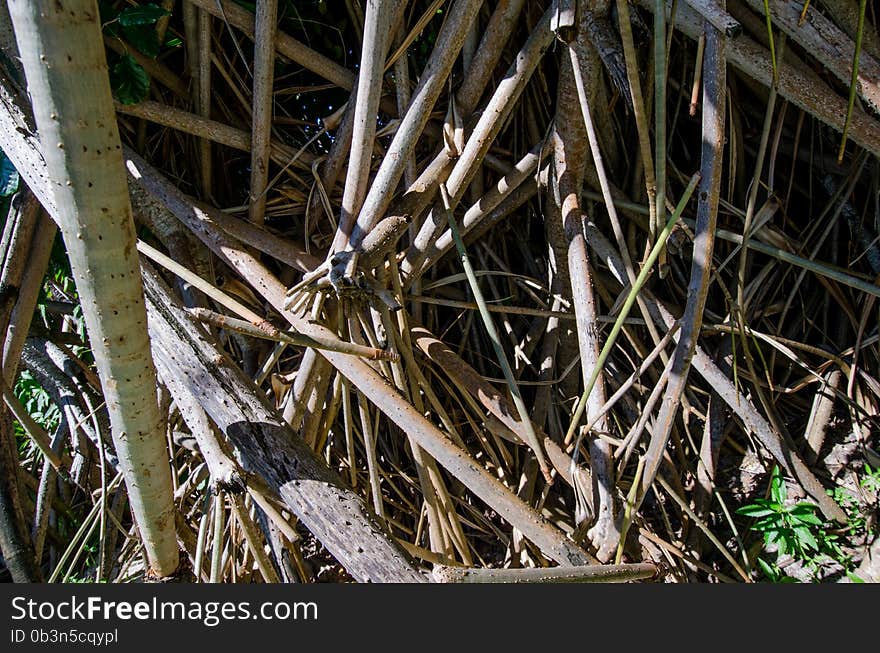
{"type": "Point", "coordinates": [455, 290]}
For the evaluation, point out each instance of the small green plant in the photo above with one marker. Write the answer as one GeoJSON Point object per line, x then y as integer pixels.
{"type": "Point", "coordinates": [859, 522]}
{"type": "Point", "coordinates": [137, 26]}
{"type": "Point", "coordinates": [795, 530]}
{"type": "Point", "coordinates": [37, 401]}
{"type": "Point", "coordinates": [9, 182]}
{"type": "Point", "coordinates": [790, 528]}
{"type": "Point", "coordinates": [871, 481]}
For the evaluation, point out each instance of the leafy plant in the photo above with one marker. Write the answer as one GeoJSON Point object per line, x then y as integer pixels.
{"type": "Point", "coordinates": [129, 80]}
{"type": "Point", "coordinates": [871, 480]}
{"type": "Point", "coordinates": [859, 522]}
{"type": "Point", "coordinates": [8, 176]}
{"type": "Point", "coordinates": [9, 183]}
{"type": "Point", "coordinates": [795, 530]}
{"type": "Point", "coordinates": [137, 26]}
{"type": "Point", "coordinates": [38, 403]}
{"type": "Point", "coordinates": [790, 528]}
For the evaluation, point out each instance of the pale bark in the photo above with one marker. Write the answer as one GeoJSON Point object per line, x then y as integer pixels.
{"type": "Point", "coordinates": [64, 60]}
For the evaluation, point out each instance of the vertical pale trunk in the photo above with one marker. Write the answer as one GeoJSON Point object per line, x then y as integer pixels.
{"type": "Point", "coordinates": [63, 55]}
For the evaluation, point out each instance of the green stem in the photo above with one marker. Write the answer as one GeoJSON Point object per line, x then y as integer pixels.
{"type": "Point", "coordinates": [628, 304]}
{"type": "Point", "coordinates": [493, 336]}
{"type": "Point", "coordinates": [854, 80]}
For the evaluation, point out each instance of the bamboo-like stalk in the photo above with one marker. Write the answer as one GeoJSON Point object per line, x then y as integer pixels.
{"type": "Point", "coordinates": [45, 494]}
{"type": "Point", "coordinates": [551, 541]}
{"type": "Point", "coordinates": [74, 112]}
{"type": "Point", "coordinates": [714, 102]}
{"type": "Point", "coordinates": [482, 135]}
{"type": "Point", "coordinates": [264, 63]}
{"type": "Point", "coordinates": [28, 293]}
{"type": "Point", "coordinates": [203, 95]}
{"type": "Point", "coordinates": [421, 191]}
{"type": "Point", "coordinates": [659, 119]}
{"type": "Point", "coordinates": [624, 310]}
{"type": "Point", "coordinates": [376, 40]}
{"type": "Point", "coordinates": [18, 550]}
{"type": "Point", "coordinates": [287, 46]}
{"type": "Point", "coordinates": [266, 446]}
{"type": "Point", "coordinates": [498, 406]}
{"type": "Point", "coordinates": [829, 44]}
{"type": "Point", "coordinates": [724, 386]}
{"type": "Point", "coordinates": [431, 83]}
{"type": "Point", "coordinates": [211, 130]}
{"type": "Point", "coordinates": [639, 112]}
{"type": "Point", "coordinates": [253, 325]}
{"type": "Point", "coordinates": [483, 207]}
{"type": "Point", "coordinates": [586, 574]}
{"type": "Point", "coordinates": [854, 80]}
{"type": "Point", "coordinates": [219, 526]}
{"type": "Point", "coordinates": [45, 361]}
{"type": "Point", "coordinates": [816, 267]}
{"type": "Point", "coordinates": [253, 539]}
{"type": "Point", "coordinates": [800, 86]}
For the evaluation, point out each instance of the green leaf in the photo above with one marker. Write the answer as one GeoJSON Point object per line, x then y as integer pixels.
{"type": "Point", "coordinates": [806, 538]}
{"type": "Point", "coordinates": [777, 486]}
{"type": "Point", "coordinates": [760, 508]}
{"type": "Point", "coordinates": [803, 508]}
{"type": "Point", "coordinates": [809, 518]}
{"type": "Point", "coordinates": [854, 578]}
{"type": "Point", "coordinates": [129, 81]}
{"type": "Point", "coordinates": [145, 15]}
{"type": "Point", "coordinates": [766, 524]}
{"type": "Point", "coordinates": [769, 570]}
{"type": "Point", "coordinates": [144, 38]}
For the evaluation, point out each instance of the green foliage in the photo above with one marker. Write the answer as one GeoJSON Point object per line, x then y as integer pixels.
{"type": "Point", "coordinates": [773, 573]}
{"type": "Point", "coordinates": [145, 15]}
{"type": "Point", "coordinates": [38, 403]}
{"type": "Point", "coordinates": [137, 26]}
{"type": "Point", "coordinates": [793, 529]}
{"type": "Point", "coordinates": [129, 80]}
{"type": "Point", "coordinates": [144, 38]}
{"type": "Point", "coordinates": [859, 522]}
{"type": "Point", "coordinates": [9, 183]}
{"type": "Point", "coordinates": [9, 178]}
{"type": "Point", "coordinates": [798, 531]}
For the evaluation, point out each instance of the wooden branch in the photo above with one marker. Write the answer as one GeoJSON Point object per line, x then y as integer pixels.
{"type": "Point", "coordinates": [369, 91]}
{"type": "Point", "coordinates": [266, 445]}
{"type": "Point", "coordinates": [799, 86]}
{"type": "Point", "coordinates": [264, 63]}
{"type": "Point", "coordinates": [286, 45]}
{"type": "Point", "coordinates": [212, 130]}
{"type": "Point", "coordinates": [714, 103]}
{"type": "Point", "coordinates": [584, 574]}
{"type": "Point", "coordinates": [826, 42]}
{"type": "Point", "coordinates": [484, 132]}
{"type": "Point", "coordinates": [432, 81]}
{"type": "Point", "coordinates": [552, 542]}
{"type": "Point", "coordinates": [703, 363]}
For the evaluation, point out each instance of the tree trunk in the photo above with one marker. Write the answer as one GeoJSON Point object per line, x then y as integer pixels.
{"type": "Point", "coordinates": [64, 61]}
